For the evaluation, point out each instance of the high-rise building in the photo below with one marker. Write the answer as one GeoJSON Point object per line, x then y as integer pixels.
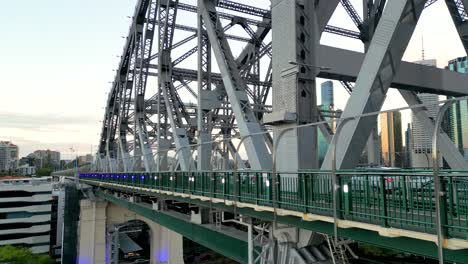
{"type": "Point", "coordinates": [327, 104]}
{"type": "Point", "coordinates": [8, 156]}
{"type": "Point", "coordinates": [457, 119]}
{"type": "Point", "coordinates": [408, 139]}
{"type": "Point", "coordinates": [327, 95]}
{"type": "Point", "coordinates": [391, 139]}
{"type": "Point", "coordinates": [421, 145]}
{"type": "Point", "coordinates": [25, 218]}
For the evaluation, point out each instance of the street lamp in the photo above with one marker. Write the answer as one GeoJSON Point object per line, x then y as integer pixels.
{"type": "Point", "coordinates": [76, 163]}
{"type": "Point", "coordinates": [322, 68]}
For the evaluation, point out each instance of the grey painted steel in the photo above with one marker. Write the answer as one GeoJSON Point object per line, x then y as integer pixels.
{"type": "Point", "coordinates": [236, 184]}
{"type": "Point", "coordinates": [438, 193]}
{"type": "Point", "coordinates": [336, 185]}
{"type": "Point", "coordinates": [458, 11]}
{"type": "Point", "coordinates": [236, 89]}
{"type": "Point", "coordinates": [274, 172]}
{"type": "Point", "coordinates": [167, 17]}
{"type": "Point", "coordinates": [325, 10]}
{"type": "Point", "coordinates": [295, 37]}
{"type": "Point", "coordinates": [181, 149]}
{"type": "Point", "coordinates": [345, 65]}
{"type": "Point", "coordinates": [207, 98]}
{"type": "Point", "coordinates": [143, 54]}
{"type": "Point", "coordinates": [377, 72]}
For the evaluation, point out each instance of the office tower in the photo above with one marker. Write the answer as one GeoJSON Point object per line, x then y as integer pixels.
{"type": "Point", "coordinates": [457, 118]}
{"type": "Point", "coordinates": [421, 137]}
{"type": "Point", "coordinates": [391, 139]}
{"type": "Point", "coordinates": [327, 105]}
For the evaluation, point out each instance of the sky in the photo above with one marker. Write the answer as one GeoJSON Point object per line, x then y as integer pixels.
{"type": "Point", "coordinates": [57, 59]}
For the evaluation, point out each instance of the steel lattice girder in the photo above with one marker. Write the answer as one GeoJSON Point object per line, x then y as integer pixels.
{"type": "Point", "coordinates": [120, 121]}
{"type": "Point", "coordinates": [256, 147]}
{"type": "Point", "coordinates": [167, 16]}
{"type": "Point", "coordinates": [117, 96]}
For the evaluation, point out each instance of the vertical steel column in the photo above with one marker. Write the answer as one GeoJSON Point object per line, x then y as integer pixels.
{"type": "Point", "coordinates": [440, 190]}
{"type": "Point", "coordinates": [295, 39]}
{"type": "Point", "coordinates": [167, 18]}
{"type": "Point", "coordinates": [205, 95]}
{"type": "Point", "coordinates": [143, 54]}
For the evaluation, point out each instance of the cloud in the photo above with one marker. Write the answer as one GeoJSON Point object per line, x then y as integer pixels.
{"type": "Point", "coordinates": [27, 146]}
{"type": "Point", "coordinates": [49, 131]}
{"type": "Point", "coordinates": [41, 121]}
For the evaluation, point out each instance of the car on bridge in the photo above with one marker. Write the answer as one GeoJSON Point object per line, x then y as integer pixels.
{"type": "Point", "coordinates": [372, 179]}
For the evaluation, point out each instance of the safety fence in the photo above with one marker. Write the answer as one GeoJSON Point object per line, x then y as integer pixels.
{"type": "Point", "coordinates": [391, 198]}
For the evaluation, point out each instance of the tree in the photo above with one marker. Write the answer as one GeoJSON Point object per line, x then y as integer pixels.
{"type": "Point", "coordinates": [17, 255]}
{"type": "Point", "coordinates": [44, 172]}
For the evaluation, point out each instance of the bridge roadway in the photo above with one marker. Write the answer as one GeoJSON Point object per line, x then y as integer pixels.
{"type": "Point", "coordinates": [393, 209]}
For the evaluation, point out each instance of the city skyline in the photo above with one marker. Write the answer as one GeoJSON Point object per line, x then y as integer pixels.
{"type": "Point", "coordinates": [61, 108]}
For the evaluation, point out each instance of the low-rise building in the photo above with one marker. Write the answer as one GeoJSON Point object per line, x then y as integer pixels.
{"type": "Point", "coordinates": [26, 170]}
{"type": "Point", "coordinates": [85, 159]}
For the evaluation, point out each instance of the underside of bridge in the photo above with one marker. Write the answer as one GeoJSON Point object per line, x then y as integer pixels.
{"type": "Point", "coordinates": [220, 85]}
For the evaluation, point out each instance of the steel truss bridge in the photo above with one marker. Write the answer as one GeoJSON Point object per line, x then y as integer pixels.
{"type": "Point", "coordinates": [202, 73]}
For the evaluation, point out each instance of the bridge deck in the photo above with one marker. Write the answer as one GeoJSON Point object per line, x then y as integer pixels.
{"type": "Point", "coordinates": [396, 203]}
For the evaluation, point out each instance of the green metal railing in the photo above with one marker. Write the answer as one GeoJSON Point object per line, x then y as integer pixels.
{"type": "Point", "coordinates": [400, 199]}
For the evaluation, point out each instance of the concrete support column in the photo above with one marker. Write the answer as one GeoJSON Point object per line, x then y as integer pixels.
{"type": "Point", "coordinates": [92, 232]}
{"type": "Point", "coordinates": [166, 245]}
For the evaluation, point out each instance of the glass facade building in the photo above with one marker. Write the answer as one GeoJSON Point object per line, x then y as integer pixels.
{"type": "Point", "coordinates": [327, 104]}
{"type": "Point", "coordinates": [391, 139]}
{"type": "Point", "coordinates": [421, 140]}
{"type": "Point", "coordinates": [457, 123]}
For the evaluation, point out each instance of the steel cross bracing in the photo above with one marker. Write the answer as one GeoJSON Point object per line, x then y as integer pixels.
{"type": "Point", "coordinates": [385, 52]}
{"type": "Point", "coordinates": [141, 77]}
{"type": "Point", "coordinates": [133, 123]}
{"type": "Point", "coordinates": [127, 119]}
{"type": "Point", "coordinates": [235, 87]}
{"type": "Point", "coordinates": [357, 20]}
{"type": "Point", "coordinates": [451, 154]}
{"type": "Point", "coordinates": [458, 10]}
{"type": "Point", "coordinates": [174, 109]}
{"type": "Point", "coordinates": [119, 93]}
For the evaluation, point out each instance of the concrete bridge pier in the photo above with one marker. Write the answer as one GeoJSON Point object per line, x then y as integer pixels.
{"type": "Point", "coordinates": [97, 217]}
{"type": "Point", "coordinates": [92, 232]}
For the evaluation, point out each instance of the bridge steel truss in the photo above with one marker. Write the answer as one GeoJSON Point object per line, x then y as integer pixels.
{"type": "Point", "coordinates": [234, 102]}
{"type": "Point", "coordinates": [252, 70]}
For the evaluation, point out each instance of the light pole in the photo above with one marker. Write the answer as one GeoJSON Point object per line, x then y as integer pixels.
{"type": "Point", "coordinates": [440, 193]}
{"type": "Point", "coordinates": [321, 68]}
{"type": "Point", "coordinates": [335, 181]}
{"type": "Point", "coordinates": [76, 163]}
